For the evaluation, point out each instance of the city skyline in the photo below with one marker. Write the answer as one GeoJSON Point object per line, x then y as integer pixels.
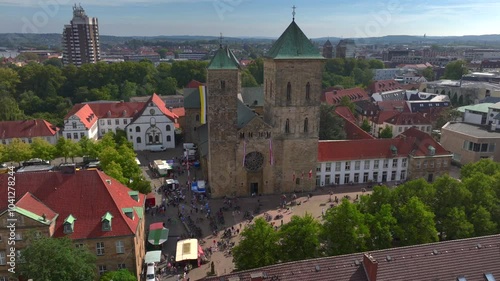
{"type": "Point", "coordinates": [259, 18]}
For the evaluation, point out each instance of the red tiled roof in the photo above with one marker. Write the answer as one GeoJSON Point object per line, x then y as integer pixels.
{"type": "Point", "coordinates": [87, 195]}
{"type": "Point", "coordinates": [116, 109]}
{"type": "Point", "coordinates": [333, 97]}
{"type": "Point", "coordinates": [384, 86]}
{"type": "Point", "coordinates": [179, 111]}
{"type": "Point", "coordinates": [84, 113]}
{"type": "Point", "coordinates": [422, 142]}
{"type": "Point", "coordinates": [363, 149]}
{"type": "Point", "coordinates": [27, 129]}
{"type": "Point", "coordinates": [163, 108]}
{"type": "Point", "coordinates": [408, 118]}
{"type": "Point", "coordinates": [345, 112]}
{"type": "Point", "coordinates": [383, 116]}
{"type": "Point", "coordinates": [30, 203]}
{"type": "Point", "coordinates": [393, 105]}
{"type": "Point", "coordinates": [471, 258]}
{"type": "Point", "coordinates": [353, 131]}
{"type": "Point", "coordinates": [193, 84]}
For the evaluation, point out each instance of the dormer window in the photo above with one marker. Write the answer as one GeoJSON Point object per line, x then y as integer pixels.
{"type": "Point", "coordinates": [106, 221]}
{"type": "Point", "coordinates": [69, 224]}
{"type": "Point", "coordinates": [134, 195]}
{"type": "Point", "coordinates": [129, 212]}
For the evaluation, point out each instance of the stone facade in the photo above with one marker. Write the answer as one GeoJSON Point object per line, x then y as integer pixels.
{"type": "Point", "coordinates": [428, 167]}
{"type": "Point", "coordinates": [191, 123]}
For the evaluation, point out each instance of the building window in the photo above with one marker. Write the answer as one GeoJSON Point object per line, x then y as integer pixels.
{"type": "Point", "coordinates": [431, 164]}
{"type": "Point", "coordinates": [125, 121]}
{"type": "Point", "coordinates": [308, 91]}
{"type": "Point", "coordinates": [68, 228]}
{"type": "Point", "coordinates": [375, 164]}
{"type": "Point", "coordinates": [306, 125]}
{"type": "Point", "coordinates": [445, 162]}
{"type": "Point", "coordinates": [137, 129]}
{"type": "Point", "coordinates": [287, 126]}
{"type": "Point", "coordinates": [375, 176]}
{"type": "Point", "coordinates": [403, 162]}
{"type": "Point", "coordinates": [318, 180]}
{"type": "Point", "coordinates": [318, 169]}
{"type": "Point", "coordinates": [102, 269]}
{"type": "Point", "coordinates": [346, 178]}
{"type": "Point", "coordinates": [491, 147]}
{"type": "Point", "coordinates": [117, 121]}
{"type": "Point", "coordinates": [348, 165]}
{"type": "Point", "coordinates": [418, 164]}
{"type": "Point", "coordinates": [121, 266]}
{"type": "Point", "coordinates": [223, 85]}
{"type": "Point", "coordinates": [337, 179]}
{"type": "Point", "coordinates": [356, 177]}
{"type": "Point", "coordinates": [169, 138]}
{"type": "Point", "coordinates": [120, 247]}
{"type": "Point", "coordinates": [3, 258]}
{"type": "Point", "coordinates": [438, 163]}
{"type": "Point", "coordinates": [328, 167]}
{"type": "Point", "coordinates": [367, 165]}
{"type": "Point", "coordinates": [103, 131]}
{"type": "Point", "coordinates": [138, 140]}
{"type": "Point", "coordinates": [394, 163]}
{"type": "Point", "coordinates": [68, 136]}
{"type": "Point", "coordinates": [327, 179]}
{"type": "Point", "coordinates": [386, 163]}
{"type": "Point", "coordinates": [197, 118]}
{"type": "Point", "coordinates": [74, 125]}
{"type": "Point", "coordinates": [75, 136]}
{"type": "Point", "coordinates": [357, 165]}
{"type": "Point", "coordinates": [288, 92]}
{"type": "Point", "coordinates": [400, 129]}
{"type": "Point", "coordinates": [403, 175]}
{"type": "Point", "coordinates": [153, 135]}
{"type": "Point", "coordinates": [109, 122]}
{"type": "Point", "coordinates": [365, 177]}
{"type": "Point", "coordinates": [425, 164]}
{"type": "Point", "coordinates": [168, 128]}
{"type": "Point", "coordinates": [99, 248]}
{"type": "Point", "coordinates": [102, 122]}
{"type": "Point", "coordinates": [338, 166]}
{"type": "Point", "coordinates": [82, 134]}
{"type": "Point", "coordinates": [393, 175]}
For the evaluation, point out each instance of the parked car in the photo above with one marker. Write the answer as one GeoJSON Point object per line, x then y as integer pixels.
{"type": "Point", "coordinates": [157, 148]}
{"type": "Point", "coordinates": [150, 272]}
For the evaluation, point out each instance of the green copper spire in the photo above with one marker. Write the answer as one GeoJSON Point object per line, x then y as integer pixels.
{"type": "Point", "coordinates": [224, 59]}
{"type": "Point", "coordinates": [293, 44]}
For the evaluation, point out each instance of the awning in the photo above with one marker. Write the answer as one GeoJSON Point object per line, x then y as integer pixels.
{"type": "Point", "coordinates": [187, 250]}
{"type": "Point", "coordinates": [198, 186]}
{"type": "Point", "coordinates": [152, 256]}
{"type": "Point", "coordinates": [157, 233]}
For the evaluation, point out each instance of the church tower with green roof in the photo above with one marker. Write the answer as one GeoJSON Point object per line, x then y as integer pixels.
{"type": "Point", "coordinates": [223, 86]}
{"type": "Point", "coordinates": [292, 88]}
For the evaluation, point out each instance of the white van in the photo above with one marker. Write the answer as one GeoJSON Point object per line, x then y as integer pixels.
{"type": "Point", "coordinates": [151, 272]}
{"type": "Point", "coordinates": [189, 145]}
{"type": "Point", "coordinates": [157, 148]}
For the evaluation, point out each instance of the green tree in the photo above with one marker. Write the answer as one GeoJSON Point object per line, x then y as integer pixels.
{"type": "Point", "coordinates": [30, 103]}
{"type": "Point", "coordinates": [42, 149]}
{"type": "Point", "coordinates": [455, 225]}
{"type": "Point", "coordinates": [54, 62]}
{"type": "Point", "coordinates": [67, 262]}
{"type": "Point", "coordinates": [482, 221]}
{"type": "Point", "coordinates": [118, 275]}
{"type": "Point", "coordinates": [9, 109]}
{"type": "Point", "coordinates": [9, 79]}
{"type": "Point", "coordinates": [376, 64]}
{"type": "Point", "coordinates": [247, 79]}
{"type": "Point", "coordinates": [299, 239]}
{"type": "Point", "coordinates": [429, 74]}
{"type": "Point", "coordinates": [483, 166]}
{"type": "Point", "coordinates": [185, 71]}
{"type": "Point", "coordinates": [415, 223]}
{"type": "Point", "coordinates": [446, 115]}
{"type": "Point", "coordinates": [18, 151]}
{"type": "Point", "coordinates": [455, 70]}
{"type": "Point", "coordinates": [258, 246]}
{"type": "Point", "coordinates": [87, 147]}
{"type": "Point", "coordinates": [256, 68]}
{"type": "Point", "coordinates": [365, 125]}
{"type": "Point", "coordinates": [67, 149]}
{"type": "Point", "coordinates": [386, 133]}
{"type": "Point", "coordinates": [335, 66]}
{"type": "Point", "coordinates": [344, 230]}
{"type": "Point", "coordinates": [128, 90]}
{"type": "Point", "coordinates": [162, 53]}
{"type": "Point", "coordinates": [381, 226]}
{"type": "Point", "coordinates": [346, 101]}
{"type": "Point", "coordinates": [331, 127]}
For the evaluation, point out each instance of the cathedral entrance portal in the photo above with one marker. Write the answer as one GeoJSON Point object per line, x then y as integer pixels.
{"type": "Point", "coordinates": [254, 188]}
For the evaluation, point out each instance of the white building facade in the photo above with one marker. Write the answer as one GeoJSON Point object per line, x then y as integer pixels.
{"type": "Point", "coordinates": [75, 129]}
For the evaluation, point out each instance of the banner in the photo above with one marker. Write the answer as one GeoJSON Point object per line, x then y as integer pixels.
{"type": "Point", "coordinates": [271, 157]}
{"type": "Point", "coordinates": [203, 105]}
{"type": "Point", "coordinates": [244, 151]}
{"type": "Point", "coordinates": [310, 174]}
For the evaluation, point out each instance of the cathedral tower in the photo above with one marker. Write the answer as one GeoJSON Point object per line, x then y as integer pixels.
{"type": "Point", "coordinates": [223, 86]}
{"type": "Point", "coordinates": [292, 88]}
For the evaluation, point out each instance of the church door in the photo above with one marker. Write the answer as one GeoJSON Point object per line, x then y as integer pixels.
{"type": "Point", "coordinates": [254, 188]}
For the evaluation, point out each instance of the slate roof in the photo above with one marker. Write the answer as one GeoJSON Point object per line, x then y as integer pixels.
{"type": "Point", "coordinates": [224, 59]}
{"type": "Point", "coordinates": [27, 129]}
{"type": "Point", "coordinates": [253, 96]}
{"type": "Point", "coordinates": [441, 261]}
{"type": "Point", "coordinates": [245, 114]}
{"type": "Point", "coordinates": [293, 44]}
{"type": "Point", "coordinates": [192, 98]}
{"type": "Point", "coordinates": [87, 195]}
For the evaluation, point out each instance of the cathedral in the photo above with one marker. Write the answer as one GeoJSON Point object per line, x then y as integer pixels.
{"type": "Point", "coordinates": [246, 153]}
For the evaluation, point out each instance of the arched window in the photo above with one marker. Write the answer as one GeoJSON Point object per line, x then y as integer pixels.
{"type": "Point", "coordinates": [306, 125]}
{"type": "Point", "coordinates": [288, 92]}
{"type": "Point", "coordinates": [197, 117]}
{"type": "Point", "coordinates": [138, 140]}
{"type": "Point", "coordinates": [287, 126]}
{"type": "Point", "coordinates": [150, 138]}
{"type": "Point", "coordinates": [223, 85]}
{"type": "Point", "coordinates": [308, 91]}
{"type": "Point", "coordinates": [169, 138]}
{"type": "Point", "coordinates": [153, 136]}
{"type": "Point", "coordinates": [168, 128]}
{"type": "Point", "coordinates": [137, 129]}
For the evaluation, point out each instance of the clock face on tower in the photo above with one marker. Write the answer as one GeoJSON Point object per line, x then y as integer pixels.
{"type": "Point", "coordinates": [152, 111]}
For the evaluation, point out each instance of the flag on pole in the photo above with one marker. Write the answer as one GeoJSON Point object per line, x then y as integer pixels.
{"type": "Point", "coordinates": [310, 174]}
{"type": "Point", "coordinates": [302, 174]}
{"type": "Point", "coordinates": [244, 151]}
{"type": "Point", "coordinates": [293, 177]}
{"type": "Point", "coordinates": [271, 158]}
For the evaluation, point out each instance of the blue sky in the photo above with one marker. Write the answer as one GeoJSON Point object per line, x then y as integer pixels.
{"type": "Point", "coordinates": [317, 18]}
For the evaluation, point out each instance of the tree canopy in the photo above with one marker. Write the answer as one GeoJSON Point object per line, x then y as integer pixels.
{"type": "Point", "coordinates": [455, 70]}
{"type": "Point", "coordinates": [331, 126]}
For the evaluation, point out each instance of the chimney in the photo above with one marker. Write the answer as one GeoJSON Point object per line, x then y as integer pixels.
{"type": "Point", "coordinates": [68, 168]}
{"type": "Point", "coordinates": [258, 276]}
{"type": "Point", "coordinates": [371, 266]}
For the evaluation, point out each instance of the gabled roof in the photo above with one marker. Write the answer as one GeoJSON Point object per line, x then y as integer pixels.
{"type": "Point", "coordinates": [86, 195]}
{"type": "Point", "coordinates": [327, 43]}
{"type": "Point", "coordinates": [382, 116]}
{"type": "Point", "coordinates": [384, 86]}
{"type": "Point", "coordinates": [179, 111]}
{"type": "Point", "coordinates": [352, 130]}
{"type": "Point", "coordinates": [163, 108]}
{"type": "Point", "coordinates": [194, 84]}
{"type": "Point", "coordinates": [408, 118]}
{"type": "Point", "coordinates": [363, 149]}
{"type": "Point", "coordinates": [345, 112]}
{"type": "Point", "coordinates": [116, 109]}
{"type": "Point", "coordinates": [393, 105]}
{"type": "Point", "coordinates": [472, 258]}
{"type": "Point", "coordinates": [253, 96]}
{"type": "Point", "coordinates": [245, 114]}
{"type": "Point", "coordinates": [422, 143]}
{"type": "Point", "coordinates": [224, 59]}
{"type": "Point", "coordinates": [84, 113]}
{"type": "Point", "coordinates": [27, 129]}
{"type": "Point", "coordinates": [293, 44]}
{"type": "Point", "coordinates": [33, 208]}
{"type": "Point", "coordinates": [334, 96]}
